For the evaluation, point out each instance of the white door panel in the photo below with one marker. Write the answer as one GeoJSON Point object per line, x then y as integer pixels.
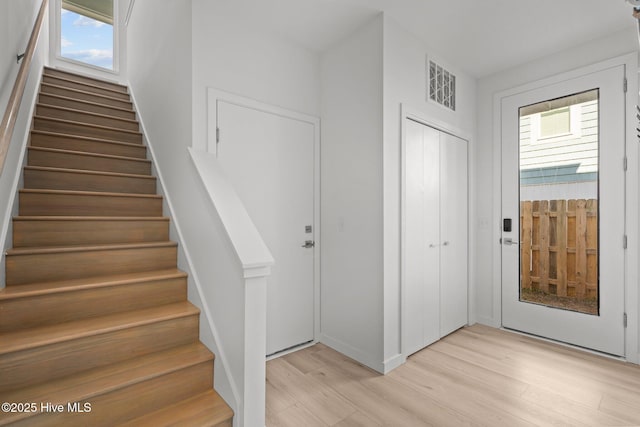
{"type": "Point", "coordinates": [269, 158]}
{"type": "Point", "coordinates": [422, 259]}
{"type": "Point", "coordinates": [453, 223]}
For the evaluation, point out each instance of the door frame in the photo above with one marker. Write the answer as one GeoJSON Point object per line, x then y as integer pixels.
{"type": "Point", "coordinates": [419, 116]}
{"type": "Point", "coordinates": [213, 96]}
{"type": "Point", "coordinates": [631, 287]}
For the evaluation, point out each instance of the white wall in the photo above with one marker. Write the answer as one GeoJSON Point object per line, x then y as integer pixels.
{"type": "Point", "coordinates": [231, 55]}
{"type": "Point", "coordinates": [405, 83]}
{"type": "Point", "coordinates": [487, 176]}
{"type": "Point", "coordinates": [16, 23]}
{"type": "Point", "coordinates": [160, 58]}
{"type": "Point", "coordinates": [351, 196]}
{"type": "Point", "coordinates": [174, 54]}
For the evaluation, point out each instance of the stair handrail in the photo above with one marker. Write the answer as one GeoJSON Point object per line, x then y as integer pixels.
{"type": "Point", "coordinates": [13, 105]}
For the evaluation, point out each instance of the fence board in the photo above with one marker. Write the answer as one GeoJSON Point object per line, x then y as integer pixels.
{"type": "Point", "coordinates": [561, 253]}
{"type": "Point", "coordinates": [526, 220]}
{"type": "Point", "coordinates": [543, 234]}
{"type": "Point", "coordinates": [592, 249]}
{"type": "Point", "coordinates": [581, 248]}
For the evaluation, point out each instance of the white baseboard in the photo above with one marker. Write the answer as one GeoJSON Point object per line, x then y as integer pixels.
{"type": "Point", "coordinates": [352, 352]}
{"type": "Point", "coordinates": [393, 362]}
{"type": "Point", "coordinates": [488, 321]}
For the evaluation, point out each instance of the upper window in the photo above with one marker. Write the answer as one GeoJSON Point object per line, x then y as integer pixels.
{"type": "Point", "coordinates": [86, 32]}
{"type": "Point", "coordinates": [555, 122]}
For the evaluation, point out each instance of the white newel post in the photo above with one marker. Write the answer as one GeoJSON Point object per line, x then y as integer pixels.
{"type": "Point", "coordinates": [255, 344]}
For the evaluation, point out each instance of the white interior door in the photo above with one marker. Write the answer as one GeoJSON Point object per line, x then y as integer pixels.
{"type": "Point", "coordinates": [435, 235]}
{"type": "Point", "coordinates": [269, 158]}
{"type": "Point", "coordinates": [421, 282]}
{"type": "Point", "coordinates": [454, 234]}
{"type": "Point", "coordinates": [563, 147]}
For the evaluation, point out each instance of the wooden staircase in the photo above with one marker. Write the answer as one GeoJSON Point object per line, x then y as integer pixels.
{"type": "Point", "coordinates": [94, 316]}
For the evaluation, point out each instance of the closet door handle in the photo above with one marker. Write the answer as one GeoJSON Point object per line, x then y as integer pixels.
{"type": "Point", "coordinates": [433, 245]}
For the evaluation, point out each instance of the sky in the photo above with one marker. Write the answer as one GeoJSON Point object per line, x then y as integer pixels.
{"type": "Point", "coordinates": [86, 40]}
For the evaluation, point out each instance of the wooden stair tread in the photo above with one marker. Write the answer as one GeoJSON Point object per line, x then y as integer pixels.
{"type": "Point", "coordinates": [204, 410]}
{"type": "Point", "coordinates": [89, 154]}
{"type": "Point", "coordinates": [82, 101]}
{"type": "Point", "coordinates": [88, 113]}
{"type": "Point", "coordinates": [89, 172]}
{"type": "Point", "coordinates": [86, 248]}
{"type": "Point", "coordinates": [116, 93]}
{"type": "Point", "coordinates": [45, 288]}
{"type": "Point", "coordinates": [46, 335]}
{"type": "Point", "coordinates": [89, 193]}
{"type": "Point", "coordinates": [88, 138]}
{"type": "Point", "coordinates": [51, 71]}
{"type": "Point", "coordinates": [83, 386]}
{"type": "Point", "coordinates": [89, 125]}
{"type": "Point", "coordinates": [50, 89]}
{"type": "Point", "coordinates": [91, 218]}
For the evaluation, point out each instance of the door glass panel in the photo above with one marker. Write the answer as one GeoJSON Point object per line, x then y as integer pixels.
{"type": "Point", "coordinates": [86, 32]}
{"type": "Point", "coordinates": [558, 146]}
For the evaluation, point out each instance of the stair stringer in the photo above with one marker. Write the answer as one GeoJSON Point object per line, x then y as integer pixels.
{"type": "Point", "coordinates": [225, 383]}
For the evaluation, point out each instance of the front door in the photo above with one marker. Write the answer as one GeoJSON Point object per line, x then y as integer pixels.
{"type": "Point", "coordinates": [563, 207]}
{"type": "Point", "coordinates": [269, 158]}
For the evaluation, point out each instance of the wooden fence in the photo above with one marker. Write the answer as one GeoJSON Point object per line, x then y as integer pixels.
{"type": "Point", "coordinates": [559, 247]}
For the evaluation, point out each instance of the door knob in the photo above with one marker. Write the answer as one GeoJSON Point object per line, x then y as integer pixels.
{"type": "Point", "coordinates": [308, 244]}
{"type": "Point", "coordinates": [509, 241]}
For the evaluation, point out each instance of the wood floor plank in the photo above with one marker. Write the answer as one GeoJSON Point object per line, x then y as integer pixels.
{"type": "Point", "coordinates": [278, 400]}
{"type": "Point", "coordinates": [360, 395]}
{"type": "Point", "coordinates": [358, 419]}
{"type": "Point", "coordinates": [588, 416]}
{"type": "Point", "coordinates": [478, 376]}
{"type": "Point", "coordinates": [526, 372]}
{"type": "Point", "coordinates": [511, 409]}
{"type": "Point", "coordinates": [620, 409]}
{"type": "Point", "coordinates": [318, 399]}
{"type": "Point", "coordinates": [295, 416]}
{"type": "Point", "coordinates": [566, 360]}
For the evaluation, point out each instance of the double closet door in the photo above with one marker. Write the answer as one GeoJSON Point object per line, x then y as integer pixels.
{"type": "Point", "coordinates": [435, 235]}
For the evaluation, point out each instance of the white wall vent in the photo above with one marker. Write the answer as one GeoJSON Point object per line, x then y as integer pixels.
{"type": "Point", "coordinates": [441, 85]}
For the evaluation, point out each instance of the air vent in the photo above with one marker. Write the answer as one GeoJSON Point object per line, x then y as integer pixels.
{"type": "Point", "coordinates": [441, 85]}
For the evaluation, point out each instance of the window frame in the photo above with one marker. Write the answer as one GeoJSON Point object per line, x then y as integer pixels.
{"type": "Point", "coordinates": [575, 129]}
{"type": "Point", "coordinates": [55, 41]}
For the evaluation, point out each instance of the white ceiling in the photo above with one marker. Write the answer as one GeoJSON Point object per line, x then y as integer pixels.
{"type": "Point", "coordinates": [481, 37]}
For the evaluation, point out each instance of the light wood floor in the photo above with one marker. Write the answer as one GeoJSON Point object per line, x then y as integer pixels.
{"type": "Point", "coordinates": [476, 376]}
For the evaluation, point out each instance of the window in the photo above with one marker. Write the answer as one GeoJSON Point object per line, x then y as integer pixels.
{"type": "Point", "coordinates": [87, 32]}
{"type": "Point", "coordinates": [555, 122]}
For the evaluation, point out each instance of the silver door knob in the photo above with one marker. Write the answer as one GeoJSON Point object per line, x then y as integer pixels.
{"type": "Point", "coordinates": [308, 244]}
{"type": "Point", "coordinates": [509, 241]}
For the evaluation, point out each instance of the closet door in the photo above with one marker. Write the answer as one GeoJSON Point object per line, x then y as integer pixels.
{"type": "Point", "coordinates": [435, 259]}
{"type": "Point", "coordinates": [421, 257]}
{"type": "Point", "coordinates": [453, 233]}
